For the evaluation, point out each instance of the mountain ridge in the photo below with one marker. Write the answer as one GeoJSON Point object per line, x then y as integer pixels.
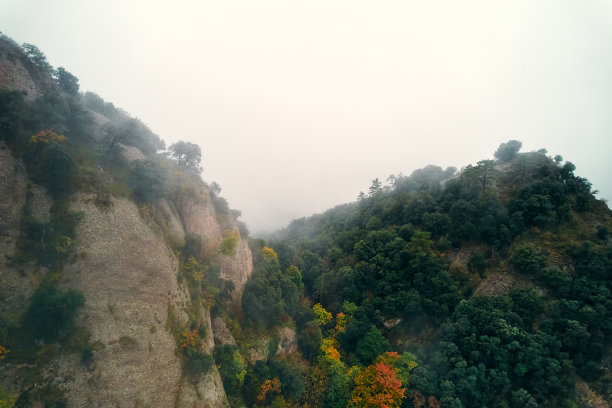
{"type": "Point", "coordinates": [129, 281]}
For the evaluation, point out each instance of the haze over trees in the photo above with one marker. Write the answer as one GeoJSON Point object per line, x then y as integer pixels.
{"type": "Point", "coordinates": [488, 286]}
{"type": "Point", "coordinates": [417, 266]}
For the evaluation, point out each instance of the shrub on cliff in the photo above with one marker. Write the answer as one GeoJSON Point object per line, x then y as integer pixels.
{"type": "Point", "coordinates": [51, 311]}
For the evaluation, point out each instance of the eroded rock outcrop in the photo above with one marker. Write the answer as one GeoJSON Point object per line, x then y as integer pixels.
{"type": "Point", "coordinates": [207, 390]}
{"type": "Point", "coordinates": [124, 260]}
{"type": "Point", "coordinates": [123, 264]}
{"type": "Point", "coordinates": [16, 193]}
{"type": "Point", "coordinates": [199, 217]}
{"type": "Point", "coordinates": [127, 273]}
{"type": "Point", "coordinates": [14, 74]}
{"type": "Point", "coordinates": [18, 73]}
{"type": "Point", "coordinates": [13, 189]}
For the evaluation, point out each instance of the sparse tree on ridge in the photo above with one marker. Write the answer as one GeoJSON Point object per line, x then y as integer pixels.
{"type": "Point", "coordinates": [376, 187]}
{"type": "Point", "coordinates": [187, 155]}
{"type": "Point", "coordinates": [507, 151]}
{"type": "Point", "coordinates": [36, 56]}
{"type": "Point", "coordinates": [68, 82]}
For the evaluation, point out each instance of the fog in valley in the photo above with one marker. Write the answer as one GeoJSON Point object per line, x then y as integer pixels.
{"type": "Point", "coordinates": [297, 106]}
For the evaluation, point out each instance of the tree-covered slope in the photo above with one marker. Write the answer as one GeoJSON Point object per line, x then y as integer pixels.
{"type": "Point", "coordinates": [486, 287]}
{"type": "Point", "coordinates": [497, 279]}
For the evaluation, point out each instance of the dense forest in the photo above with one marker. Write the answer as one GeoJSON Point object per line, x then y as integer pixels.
{"type": "Point", "coordinates": [484, 287]}
{"type": "Point", "coordinates": [479, 288]}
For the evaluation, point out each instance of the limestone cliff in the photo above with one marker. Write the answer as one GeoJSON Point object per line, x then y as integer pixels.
{"type": "Point", "coordinates": [198, 217]}
{"type": "Point", "coordinates": [14, 290]}
{"type": "Point", "coordinates": [124, 259]}
{"type": "Point", "coordinates": [15, 191]}
{"type": "Point", "coordinates": [18, 73]}
{"type": "Point", "coordinates": [127, 270]}
{"type": "Point", "coordinates": [127, 273]}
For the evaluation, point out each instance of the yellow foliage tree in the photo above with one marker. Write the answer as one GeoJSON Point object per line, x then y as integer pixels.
{"type": "Point", "coordinates": [190, 339]}
{"type": "Point", "coordinates": [329, 348]}
{"type": "Point", "coordinates": [269, 254]}
{"type": "Point", "coordinates": [323, 316]}
{"type": "Point", "coordinates": [48, 136]}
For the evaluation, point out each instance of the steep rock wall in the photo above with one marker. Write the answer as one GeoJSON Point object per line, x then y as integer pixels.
{"type": "Point", "coordinates": [127, 273]}
{"type": "Point", "coordinates": [206, 391]}
{"type": "Point", "coordinates": [13, 73]}
{"type": "Point", "coordinates": [122, 261]}
{"type": "Point", "coordinates": [198, 217]}
{"type": "Point", "coordinates": [17, 72]}
{"type": "Point", "coordinates": [17, 191]}
{"type": "Point", "coordinates": [239, 267]}
{"type": "Point", "coordinates": [125, 267]}
{"type": "Point", "coordinates": [13, 188]}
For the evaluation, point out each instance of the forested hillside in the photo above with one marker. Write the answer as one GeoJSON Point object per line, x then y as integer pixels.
{"type": "Point", "coordinates": [486, 287]}
{"type": "Point", "coordinates": [128, 282]}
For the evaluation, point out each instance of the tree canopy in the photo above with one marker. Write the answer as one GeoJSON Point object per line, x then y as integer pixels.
{"type": "Point", "coordinates": [188, 155]}
{"type": "Point", "coordinates": [507, 151]}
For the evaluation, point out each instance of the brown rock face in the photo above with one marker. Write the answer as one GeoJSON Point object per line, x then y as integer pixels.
{"type": "Point", "coordinates": [123, 263]}
{"type": "Point", "coordinates": [206, 391]}
{"type": "Point", "coordinates": [238, 268]}
{"type": "Point", "coordinates": [14, 289]}
{"type": "Point", "coordinates": [13, 188]}
{"type": "Point", "coordinates": [221, 333]}
{"type": "Point", "coordinates": [166, 217]}
{"type": "Point", "coordinates": [288, 341]}
{"type": "Point", "coordinates": [127, 273]}
{"type": "Point", "coordinates": [18, 74]}
{"type": "Point", "coordinates": [15, 76]}
{"type": "Point", "coordinates": [199, 217]}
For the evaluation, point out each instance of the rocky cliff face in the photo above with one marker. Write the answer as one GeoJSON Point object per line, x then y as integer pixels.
{"type": "Point", "coordinates": [18, 74]}
{"type": "Point", "coordinates": [198, 217]}
{"type": "Point", "coordinates": [124, 260]}
{"type": "Point", "coordinates": [122, 263]}
{"type": "Point", "coordinates": [14, 74]}
{"type": "Point", "coordinates": [127, 273]}
{"type": "Point", "coordinates": [15, 191]}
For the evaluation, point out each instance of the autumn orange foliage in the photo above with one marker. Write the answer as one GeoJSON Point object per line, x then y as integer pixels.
{"type": "Point", "coordinates": [378, 385]}
{"type": "Point", "coordinates": [341, 322]}
{"type": "Point", "coordinates": [190, 338]}
{"type": "Point", "coordinates": [267, 386]}
{"type": "Point", "coordinates": [3, 352]}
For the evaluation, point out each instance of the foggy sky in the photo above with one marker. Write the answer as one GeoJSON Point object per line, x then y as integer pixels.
{"type": "Point", "coordinates": [298, 105]}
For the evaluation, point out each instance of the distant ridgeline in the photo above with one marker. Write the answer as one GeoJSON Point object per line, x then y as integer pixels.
{"type": "Point", "coordinates": [494, 282]}
{"type": "Point", "coordinates": [127, 281]}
